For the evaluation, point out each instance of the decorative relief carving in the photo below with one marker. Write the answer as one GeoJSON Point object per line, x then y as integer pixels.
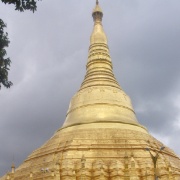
{"type": "Point", "coordinates": [100, 170]}
{"type": "Point", "coordinates": [116, 170]}
{"type": "Point", "coordinates": [83, 169]}
{"type": "Point", "coordinates": [106, 144]}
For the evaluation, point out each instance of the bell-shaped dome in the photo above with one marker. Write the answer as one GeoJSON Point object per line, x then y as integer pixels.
{"type": "Point", "coordinates": [100, 98]}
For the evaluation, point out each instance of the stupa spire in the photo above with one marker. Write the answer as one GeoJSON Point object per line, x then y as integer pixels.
{"type": "Point", "coordinates": [99, 66]}
{"type": "Point", "coordinates": [100, 98]}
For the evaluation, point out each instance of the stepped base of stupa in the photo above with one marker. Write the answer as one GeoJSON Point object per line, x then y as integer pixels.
{"type": "Point", "coordinates": [106, 151]}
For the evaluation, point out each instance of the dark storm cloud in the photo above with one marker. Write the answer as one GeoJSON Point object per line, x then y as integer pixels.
{"type": "Point", "coordinates": [149, 62]}
{"type": "Point", "coordinates": [49, 53]}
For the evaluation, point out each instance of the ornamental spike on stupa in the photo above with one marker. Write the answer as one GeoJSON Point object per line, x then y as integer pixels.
{"type": "Point", "coordinates": [100, 133]}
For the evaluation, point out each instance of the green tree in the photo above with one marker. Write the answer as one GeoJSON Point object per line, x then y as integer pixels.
{"type": "Point", "coordinates": [4, 62]}
{"type": "Point", "coordinates": [20, 5]}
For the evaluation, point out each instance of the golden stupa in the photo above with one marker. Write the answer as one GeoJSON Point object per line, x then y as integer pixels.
{"type": "Point", "coordinates": [101, 138]}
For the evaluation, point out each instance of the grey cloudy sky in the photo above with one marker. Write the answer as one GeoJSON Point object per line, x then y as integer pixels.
{"type": "Point", "coordinates": [49, 52]}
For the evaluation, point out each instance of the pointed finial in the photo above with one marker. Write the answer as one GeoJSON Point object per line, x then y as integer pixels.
{"type": "Point", "coordinates": [13, 168]}
{"type": "Point", "coordinates": [13, 165]}
{"type": "Point", "coordinates": [97, 12]}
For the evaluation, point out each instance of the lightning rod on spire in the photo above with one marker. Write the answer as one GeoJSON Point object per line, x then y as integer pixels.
{"type": "Point", "coordinates": [97, 2]}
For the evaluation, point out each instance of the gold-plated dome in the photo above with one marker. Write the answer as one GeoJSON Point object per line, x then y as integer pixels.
{"type": "Point", "coordinates": [101, 138]}
{"type": "Point", "coordinates": [100, 98]}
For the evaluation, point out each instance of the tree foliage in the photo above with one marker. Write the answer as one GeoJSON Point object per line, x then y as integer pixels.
{"type": "Point", "coordinates": [20, 5]}
{"type": "Point", "coordinates": [4, 62]}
